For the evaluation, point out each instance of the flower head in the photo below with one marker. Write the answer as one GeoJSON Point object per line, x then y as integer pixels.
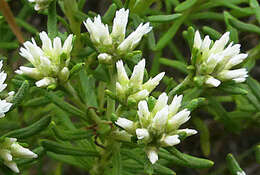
{"type": "Point", "coordinates": [115, 43]}
{"type": "Point", "coordinates": [133, 88]}
{"type": "Point", "coordinates": [5, 105]}
{"type": "Point", "coordinates": [160, 126]}
{"type": "Point", "coordinates": [50, 61]}
{"type": "Point", "coordinates": [213, 60]}
{"type": "Point", "coordinates": [10, 149]}
{"type": "Point", "coordinates": [40, 4]}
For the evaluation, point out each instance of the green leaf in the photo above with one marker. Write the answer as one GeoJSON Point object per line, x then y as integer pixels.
{"type": "Point", "coordinates": [66, 159]}
{"type": "Point", "coordinates": [233, 89]}
{"type": "Point", "coordinates": [52, 20]}
{"type": "Point", "coordinates": [254, 87]}
{"type": "Point", "coordinates": [163, 18]}
{"type": "Point", "coordinates": [116, 159]}
{"type": "Point", "coordinates": [185, 5]}
{"type": "Point", "coordinates": [31, 130]}
{"type": "Point", "coordinates": [245, 26]}
{"type": "Point", "coordinates": [88, 87]}
{"type": "Point", "coordinates": [19, 96]}
{"type": "Point", "coordinates": [71, 135]}
{"type": "Point", "coordinates": [160, 169]}
{"type": "Point", "coordinates": [204, 135]}
{"type": "Point", "coordinates": [233, 165]}
{"type": "Point", "coordinates": [191, 161]}
{"type": "Point", "coordinates": [219, 111]}
{"type": "Point", "coordinates": [65, 149]}
{"type": "Point", "coordinates": [65, 106]}
{"type": "Point", "coordinates": [110, 13]}
{"type": "Point", "coordinates": [167, 37]}
{"type": "Point", "coordinates": [175, 64]}
{"type": "Point", "coordinates": [215, 35]}
{"type": "Point", "coordinates": [195, 103]}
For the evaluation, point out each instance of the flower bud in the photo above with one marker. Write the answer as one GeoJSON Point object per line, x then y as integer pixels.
{"type": "Point", "coordinates": [152, 154]}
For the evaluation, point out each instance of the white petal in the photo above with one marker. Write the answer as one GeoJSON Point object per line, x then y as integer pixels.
{"type": "Point", "coordinates": [142, 133]}
{"type": "Point", "coordinates": [121, 73]}
{"type": "Point", "coordinates": [19, 151]}
{"type": "Point", "coordinates": [67, 46]}
{"type": "Point", "coordinates": [213, 82]}
{"type": "Point", "coordinates": [12, 165]}
{"type": "Point", "coordinates": [160, 119]}
{"type": "Point", "coordinates": [152, 155]}
{"type": "Point", "coordinates": [188, 132]}
{"type": "Point", "coordinates": [138, 74]}
{"type": "Point", "coordinates": [233, 74]}
{"type": "Point", "coordinates": [197, 40]}
{"type": "Point", "coordinates": [171, 140]}
{"type": "Point", "coordinates": [152, 83]}
{"type": "Point", "coordinates": [175, 105]}
{"type": "Point", "coordinates": [134, 38]}
{"type": "Point", "coordinates": [119, 24]}
{"type": "Point", "coordinates": [46, 81]}
{"type": "Point", "coordinates": [46, 42]}
{"type": "Point", "coordinates": [139, 95]}
{"type": "Point", "coordinates": [125, 123]}
{"type": "Point", "coordinates": [206, 44]}
{"type": "Point", "coordinates": [236, 60]}
{"type": "Point", "coordinates": [104, 57]}
{"type": "Point", "coordinates": [161, 102]}
{"type": "Point", "coordinates": [178, 119]}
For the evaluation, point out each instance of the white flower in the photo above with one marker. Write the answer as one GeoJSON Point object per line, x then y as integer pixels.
{"type": "Point", "coordinates": [178, 119]}
{"type": "Point", "coordinates": [50, 61]}
{"type": "Point", "coordinates": [134, 38]}
{"type": "Point", "coordinates": [152, 154]}
{"type": "Point", "coordinates": [4, 104]}
{"type": "Point", "coordinates": [160, 126]}
{"type": "Point", "coordinates": [125, 123]}
{"type": "Point", "coordinates": [171, 140]}
{"type": "Point", "coordinates": [99, 33]}
{"type": "Point", "coordinates": [10, 149]}
{"type": "Point", "coordinates": [40, 4]}
{"type": "Point", "coordinates": [134, 88]}
{"type": "Point", "coordinates": [115, 44]}
{"type": "Point", "coordinates": [119, 25]}
{"type": "Point", "coordinates": [215, 61]}
{"type": "Point", "coordinates": [188, 132]}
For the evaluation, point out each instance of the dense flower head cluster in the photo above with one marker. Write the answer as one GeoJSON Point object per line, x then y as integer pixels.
{"type": "Point", "coordinates": [134, 89]}
{"type": "Point", "coordinates": [50, 61]}
{"type": "Point", "coordinates": [214, 60]}
{"type": "Point", "coordinates": [40, 4]}
{"type": "Point", "coordinates": [4, 104]}
{"type": "Point", "coordinates": [158, 127]}
{"type": "Point", "coordinates": [114, 44]}
{"type": "Point", "coordinates": [10, 149]}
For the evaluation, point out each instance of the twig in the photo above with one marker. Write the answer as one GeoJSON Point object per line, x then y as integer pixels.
{"type": "Point", "coordinates": [4, 7]}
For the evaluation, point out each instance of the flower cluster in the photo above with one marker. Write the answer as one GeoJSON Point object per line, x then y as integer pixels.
{"type": "Point", "coordinates": [4, 104]}
{"type": "Point", "coordinates": [158, 127]}
{"type": "Point", "coordinates": [10, 149]}
{"type": "Point", "coordinates": [40, 4]}
{"type": "Point", "coordinates": [50, 62]}
{"type": "Point", "coordinates": [133, 89]}
{"type": "Point", "coordinates": [114, 44]}
{"type": "Point", "coordinates": [214, 61]}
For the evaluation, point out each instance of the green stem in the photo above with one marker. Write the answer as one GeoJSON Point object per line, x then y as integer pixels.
{"type": "Point", "coordinates": [181, 87]}
{"type": "Point", "coordinates": [112, 88]}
